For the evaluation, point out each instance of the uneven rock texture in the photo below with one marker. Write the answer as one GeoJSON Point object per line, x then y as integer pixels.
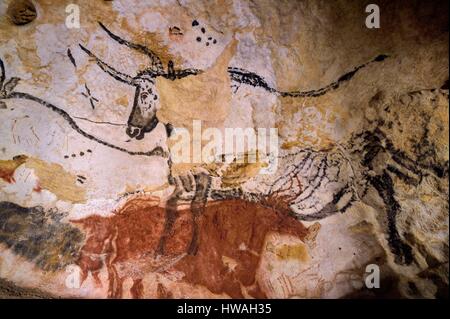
{"type": "Point", "coordinates": [94, 205]}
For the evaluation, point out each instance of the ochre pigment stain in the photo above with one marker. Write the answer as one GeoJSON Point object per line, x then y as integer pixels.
{"type": "Point", "coordinates": [229, 230]}
{"type": "Point", "coordinates": [8, 167]}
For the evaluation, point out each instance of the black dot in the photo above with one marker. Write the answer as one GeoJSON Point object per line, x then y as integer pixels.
{"type": "Point", "coordinates": [66, 156]}
{"type": "Point", "coordinates": [81, 153]}
{"type": "Point", "coordinates": [214, 41]}
{"type": "Point", "coordinates": [207, 43]}
{"type": "Point", "coordinates": [199, 39]}
{"type": "Point", "coordinates": [209, 38]}
{"type": "Point", "coordinates": [203, 30]}
{"type": "Point", "coordinates": [73, 155]}
{"type": "Point", "coordinates": [89, 151]}
{"type": "Point", "coordinates": [340, 248]}
{"type": "Point", "coordinates": [155, 97]}
{"type": "Point", "coordinates": [194, 23]}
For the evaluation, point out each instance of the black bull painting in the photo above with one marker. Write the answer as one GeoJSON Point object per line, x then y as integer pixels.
{"type": "Point", "coordinates": [143, 118]}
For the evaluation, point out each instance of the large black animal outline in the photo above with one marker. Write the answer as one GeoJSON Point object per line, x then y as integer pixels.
{"type": "Point", "coordinates": [6, 92]}
{"type": "Point", "coordinates": [143, 119]}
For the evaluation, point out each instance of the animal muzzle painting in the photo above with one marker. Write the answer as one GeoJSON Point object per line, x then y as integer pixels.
{"type": "Point", "coordinates": [135, 132]}
{"type": "Point", "coordinates": [224, 149]}
{"type": "Point", "coordinates": [142, 118]}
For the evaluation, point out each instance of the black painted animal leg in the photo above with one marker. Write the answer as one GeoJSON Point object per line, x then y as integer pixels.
{"type": "Point", "coordinates": [385, 188]}
{"type": "Point", "coordinates": [198, 204]}
{"type": "Point", "coordinates": [170, 71]}
{"type": "Point", "coordinates": [171, 216]}
{"type": "Point", "coordinates": [2, 74]}
{"type": "Point", "coordinates": [193, 246]}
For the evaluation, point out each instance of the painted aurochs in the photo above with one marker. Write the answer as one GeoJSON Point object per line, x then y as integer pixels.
{"type": "Point", "coordinates": [95, 204]}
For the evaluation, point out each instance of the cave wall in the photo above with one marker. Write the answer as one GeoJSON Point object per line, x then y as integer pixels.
{"type": "Point", "coordinates": [92, 204]}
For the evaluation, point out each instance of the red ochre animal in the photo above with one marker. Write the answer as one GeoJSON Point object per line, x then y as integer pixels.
{"type": "Point", "coordinates": [127, 245]}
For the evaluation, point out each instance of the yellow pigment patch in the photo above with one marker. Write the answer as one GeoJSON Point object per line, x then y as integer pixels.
{"type": "Point", "coordinates": [54, 178]}
{"type": "Point", "coordinates": [363, 227]}
{"type": "Point", "coordinates": [229, 262]}
{"type": "Point", "coordinates": [237, 173]}
{"type": "Point", "coordinates": [288, 252]}
{"type": "Point", "coordinates": [122, 101]}
{"type": "Point", "coordinates": [205, 97]}
{"type": "Point", "coordinates": [298, 252]}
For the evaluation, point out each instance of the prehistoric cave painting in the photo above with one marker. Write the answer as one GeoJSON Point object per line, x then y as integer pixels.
{"type": "Point", "coordinates": [81, 179]}
{"type": "Point", "coordinates": [81, 154]}
{"type": "Point", "coordinates": [295, 194]}
{"type": "Point", "coordinates": [198, 186]}
{"type": "Point", "coordinates": [175, 31]}
{"type": "Point", "coordinates": [6, 92]}
{"type": "Point", "coordinates": [71, 58]}
{"type": "Point", "coordinates": [39, 235]}
{"type": "Point", "coordinates": [8, 167]}
{"type": "Point", "coordinates": [127, 244]}
{"type": "Point", "coordinates": [143, 117]}
{"type": "Point", "coordinates": [411, 171]}
{"type": "Point", "coordinates": [309, 176]}
{"type": "Point", "coordinates": [302, 188]}
{"type": "Point", "coordinates": [202, 33]}
{"type": "Point", "coordinates": [6, 87]}
{"type": "Point", "coordinates": [245, 77]}
{"type": "Point", "coordinates": [368, 163]}
{"type": "Point", "coordinates": [312, 185]}
{"type": "Point", "coordinates": [89, 96]}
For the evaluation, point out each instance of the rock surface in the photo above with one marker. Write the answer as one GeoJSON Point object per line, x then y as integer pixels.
{"type": "Point", "coordinates": [93, 204]}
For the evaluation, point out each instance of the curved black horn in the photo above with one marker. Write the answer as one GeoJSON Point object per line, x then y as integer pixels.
{"type": "Point", "coordinates": [119, 76]}
{"type": "Point", "coordinates": [2, 74]}
{"type": "Point", "coordinates": [155, 60]}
